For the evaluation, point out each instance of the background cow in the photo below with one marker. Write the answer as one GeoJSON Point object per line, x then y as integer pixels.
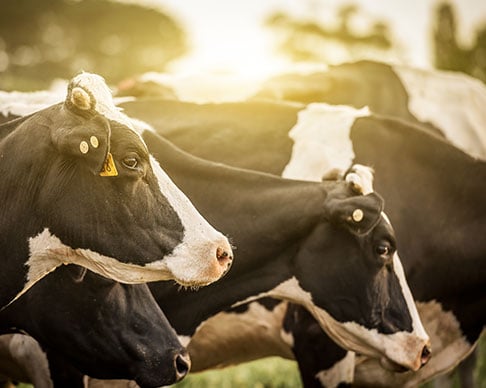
{"type": "Point", "coordinates": [425, 180]}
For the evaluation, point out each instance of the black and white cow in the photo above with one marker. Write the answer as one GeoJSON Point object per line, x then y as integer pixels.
{"type": "Point", "coordinates": [443, 100]}
{"type": "Point", "coordinates": [319, 244]}
{"type": "Point", "coordinates": [434, 196]}
{"type": "Point", "coordinates": [100, 327]}
{"type": "Point", "coordinates": [285, 231]}
{"type": "Point", "coordinates": [75, 188]}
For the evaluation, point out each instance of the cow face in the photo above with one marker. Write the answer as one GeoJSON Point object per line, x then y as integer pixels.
{"type": "Point", "coordinates": [92, 195]}
{"type": "Point", "coordinates": [367, 307]}
{"type": "Point", "coordinates": [106, 329]}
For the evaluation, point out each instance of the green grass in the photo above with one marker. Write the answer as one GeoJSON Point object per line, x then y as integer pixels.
{"type": "Point", "coordinates": [272, 372]}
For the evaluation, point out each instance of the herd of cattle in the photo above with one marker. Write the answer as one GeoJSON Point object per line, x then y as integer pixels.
{"type": "Point", "coordinates": [105, 200]}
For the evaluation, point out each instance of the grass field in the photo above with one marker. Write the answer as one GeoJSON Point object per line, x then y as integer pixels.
{"type": "Point", "coordinates": [275, 372]}
{"type": "Point", "coordinates": [278, 373]}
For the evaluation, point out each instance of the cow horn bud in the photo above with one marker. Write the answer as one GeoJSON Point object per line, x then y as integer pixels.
{"type": "Point", "coordinates": [80, 98]}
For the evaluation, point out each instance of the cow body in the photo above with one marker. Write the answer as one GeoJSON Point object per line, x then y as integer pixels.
{"type": "Point", "coordinates": [429, 186]}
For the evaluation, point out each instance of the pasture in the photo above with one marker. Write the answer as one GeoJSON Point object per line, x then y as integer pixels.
{"type": "Point", "coordinates": [275, 372]}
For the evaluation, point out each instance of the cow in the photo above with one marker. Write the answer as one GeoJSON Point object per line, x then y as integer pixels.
{"type": "Point", "coordinates": [425, 180]}
{"type": "Point", "coordinates": [101, 327]}
{"type": "Point", "coordinates": [441, 100]}
{"type": "Point", "coordinates": [76, 188]}
{"type": "Point", "coordinates": [286, 231]}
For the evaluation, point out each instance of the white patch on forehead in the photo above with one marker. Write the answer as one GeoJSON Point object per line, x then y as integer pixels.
{"type": "Point", "coordinates": [452, 101]}
{"type": "Point", "coordinates": [321, 141]}
{"type": "Point", "coordinates": [418, 328]}
{"type": "Point", "coordinates": [361, 179]}
{"type": "Point", "coordinates": [105, 106]}
{"type": "Point", "coordinates": [194, 260]}
{"type": "Point", "coordinates": [341, 372]}
{"type": "Point", "coordinates": [449, 348]}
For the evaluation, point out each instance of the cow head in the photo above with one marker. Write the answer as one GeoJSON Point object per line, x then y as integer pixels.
{"type": "Point", "coordinates": [103, 328]}
{"type": "Point", "coordinates": [367, 307]}
{"type": "Point", "coordinates": [79, 184]}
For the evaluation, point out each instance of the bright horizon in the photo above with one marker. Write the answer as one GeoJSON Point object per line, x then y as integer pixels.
{"type": "Point", "coordinates": [227, 36]}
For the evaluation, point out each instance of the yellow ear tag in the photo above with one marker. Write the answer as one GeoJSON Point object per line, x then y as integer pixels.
{"type": "Point", "coordinates": [109, 168]}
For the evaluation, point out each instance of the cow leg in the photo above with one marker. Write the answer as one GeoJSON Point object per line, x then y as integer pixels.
{"type": "Point", "coordinates": [322, 363]}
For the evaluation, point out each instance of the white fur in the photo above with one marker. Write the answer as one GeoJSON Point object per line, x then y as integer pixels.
{"type": "Point", "coordinates": [449, 348]}
{"type": "Point", "coordinates": [193, 262]}
{"type": "Point", "coordinates": [341, 372]}
{"type": "Point", "coordinates": [452, 101]}
{"type": "Point", "coordinates": [402, 347]}
{"type": "Point", "coordinates": [321, 141]}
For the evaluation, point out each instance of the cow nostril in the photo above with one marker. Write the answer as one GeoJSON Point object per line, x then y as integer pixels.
{"type": "Point", "coordinates": [182, 364]}
{"type": "Point", "coordinates": [223, 256]}
{"type": "Point", "coordinates": [426, 354]}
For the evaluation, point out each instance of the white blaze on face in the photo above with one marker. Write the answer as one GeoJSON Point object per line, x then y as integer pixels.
{"type": "Point", "coordinates": [452, 101]}
{"type": "Point", "coordinates": [402, 348]}
{"type": "Point", "coordinates": [104, 105]}
{"type": "Point", "coordinates": [321, 141]}
{"type": "Point", "coordinates": [194, 261]}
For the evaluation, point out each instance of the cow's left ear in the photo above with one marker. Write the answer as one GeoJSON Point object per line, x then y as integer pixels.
{"type": "Point", "coordinates": [88, 143]}
{"type": "Point", "coordinates": [359, 213]}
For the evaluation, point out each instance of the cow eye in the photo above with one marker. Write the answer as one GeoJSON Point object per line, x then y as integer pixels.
{"type": "Point", "coordinates": [383, 249]}
{"type": "Point", "coordinates": [130, 162]}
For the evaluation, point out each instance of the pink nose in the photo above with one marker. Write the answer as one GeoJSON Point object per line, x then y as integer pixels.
{"type": "Point", "coordinates": [426, 354]}
{"type": "Point", "coordinates": [224, 257]}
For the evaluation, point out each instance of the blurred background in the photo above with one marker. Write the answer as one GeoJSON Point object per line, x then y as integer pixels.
{"type": "Point", "coordinates": [41, 41]}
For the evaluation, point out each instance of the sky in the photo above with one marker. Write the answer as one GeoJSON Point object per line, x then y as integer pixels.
{"type": "Point", "coordinates": [228, 34]}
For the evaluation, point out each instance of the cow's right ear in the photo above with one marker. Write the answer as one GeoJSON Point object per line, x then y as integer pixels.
{"type": "Point", "coordinates": [88, 143]}
{"type": "Point", "coordinates": [359, 213]}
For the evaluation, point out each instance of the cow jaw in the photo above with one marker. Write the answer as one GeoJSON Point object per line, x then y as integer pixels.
{"type": "Point", "coordinates": [401, 348]}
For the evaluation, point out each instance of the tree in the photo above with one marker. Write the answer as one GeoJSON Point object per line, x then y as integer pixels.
{"type": "Point", "coordinates": [48, 39]}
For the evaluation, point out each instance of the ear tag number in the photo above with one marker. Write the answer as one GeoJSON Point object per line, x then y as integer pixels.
{"type": "Point", "coordinates": [109, 168]}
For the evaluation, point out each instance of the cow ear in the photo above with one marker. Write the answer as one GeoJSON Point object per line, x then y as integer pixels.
{"type": "Point", "coordinates": [88, 143]}
{"type": "Point", "coordinates": [359, 214]}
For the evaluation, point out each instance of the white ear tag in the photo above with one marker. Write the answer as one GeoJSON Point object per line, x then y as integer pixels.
{"type": "Point", "coordinates": [109, 168]}
{"type": "Point", "coordinates": [358, 215]}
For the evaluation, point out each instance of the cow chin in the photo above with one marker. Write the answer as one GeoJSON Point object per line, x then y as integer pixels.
{"type": "Point", "coordinates": [392, 366]}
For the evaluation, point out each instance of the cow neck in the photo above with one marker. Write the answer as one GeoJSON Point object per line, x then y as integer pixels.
{"type": "Point", "coordinates": [433, 191]}
{"type": "Point", "coordinates": [265, 217]}
{"type": "Point", "coordinates": [18, 189]}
